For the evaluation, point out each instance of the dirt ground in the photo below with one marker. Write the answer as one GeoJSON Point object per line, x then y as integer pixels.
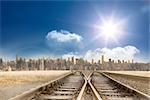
{"type": "Point", "coordinates": [17, 82]}
{"type": "Point", "coordinates": [135, 73]}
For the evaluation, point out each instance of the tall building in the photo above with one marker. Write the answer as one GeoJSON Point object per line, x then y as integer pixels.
{"type": "Point", "coordinates": [1, 61]}
{"type": "Point", "coordinates": [41, 64]}
{"type": "Point", "coordinates": [99, 61]}
{"type": "Point", "coordinates": [132, 61]}
{"type": "Point", "coordinates": [68, 59]}
{"type": "Point", "coordinates": [18, 61]}
{"type": "Point", "coordinates": [72, 60]}
{"type": "Point", "coordinates": [128, 61]}
{"type": "Point", "coordinates": [102, 59]}
{"type": "Point", "coordinates": [92, 61]}
{"type": "Point", "coordinates": [113, 61]}
{"type": "Point", "coordinates": [17, 58]}
{"type": "Point", "coordinates": [77, 61]}
{"type": "Point", "coordinates": [119, 61]}
{"type": "Point", "coordinates": [109, 60]}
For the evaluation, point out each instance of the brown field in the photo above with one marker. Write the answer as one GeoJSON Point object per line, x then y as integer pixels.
{"type": "Point", "coordinates": [16, 82]}
{"type": "Point", "coordinates": [21, 77]}
{"type": "Point", "coordinates": [135, 73]}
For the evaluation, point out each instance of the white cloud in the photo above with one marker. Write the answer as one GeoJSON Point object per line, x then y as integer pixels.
{"type": "Point", "coordinates": [122, 53]}
{"type": "Point", "coordinates": [63, 36]}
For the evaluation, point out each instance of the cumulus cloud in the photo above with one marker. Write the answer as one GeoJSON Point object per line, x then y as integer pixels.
{"type": "Point", "coordinates": [122, 53]}
{"type": "Point", "coordinates": [63, 36]}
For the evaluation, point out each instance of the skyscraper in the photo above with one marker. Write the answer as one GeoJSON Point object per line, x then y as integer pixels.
{"type": "Point", "coordinates": [102, 59]}
{"type": "Point", "coordinates": [109, 60]}
{"type": "Point", "coordinates": [99, 61]}
{"type": "Point", "coordinates": [92, 61]}
{"type": "Point", "coordinates": [17, 58]}
{"type": "Point", "coordinates": [132, 60]}
{"type": "Point", "coordinates": [68, 59]}
{"type": "Point", "coordinates": [72, 60]}
{"type": "Point", "coordinates": [41, 64]}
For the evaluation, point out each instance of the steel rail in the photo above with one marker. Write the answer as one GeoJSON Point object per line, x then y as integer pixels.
{"type": "Point", "coordinates": [32, 91]}
{"type": "Point", "coordinates": [127, 86]}
{"type": "Point", "coordinates": [94, 90]}
{"type": "Point", "coordinates": [87, 77]}
{"type": "Point", "coordinates": [82, 90]}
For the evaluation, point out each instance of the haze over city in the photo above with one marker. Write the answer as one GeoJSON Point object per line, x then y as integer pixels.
{"type": "Point", "coordinates": [116, 29]}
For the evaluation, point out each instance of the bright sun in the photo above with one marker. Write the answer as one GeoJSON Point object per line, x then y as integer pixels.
{"type": "Point", "coordinates": [111, 29]}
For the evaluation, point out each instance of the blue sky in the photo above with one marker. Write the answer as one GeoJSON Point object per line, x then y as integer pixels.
{"type": "Point", "coordinates": [25, 26]}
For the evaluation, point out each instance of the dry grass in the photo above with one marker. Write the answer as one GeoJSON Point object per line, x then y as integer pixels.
{"type": "Point", "coordinates": [11, 80]}
{"type": "Point", "coordinates": [17, 82]}
{"type": "Point", "coordinates": [135, 73]}
{"type": "Point", "coordinates": [21, 77]}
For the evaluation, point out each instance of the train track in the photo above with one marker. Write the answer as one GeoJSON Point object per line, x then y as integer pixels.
{"type": "Point", "coordinates": [67, 87]}
{"type": "Point", "coordinates": [108, 88]}
{"type": "Point", "coordinates": [139, 83]}
{"type": "Point", "coordinates": [75, 86]}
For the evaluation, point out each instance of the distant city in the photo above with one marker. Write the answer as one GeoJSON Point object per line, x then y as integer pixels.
{"type": "Point", "coordinates": [71, 63]}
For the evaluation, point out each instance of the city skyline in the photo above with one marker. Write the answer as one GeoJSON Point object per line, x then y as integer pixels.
{"type": "Point", "coordinates": [71, 63]}
{"type": "Point", "coordinates": [102, 59]}
{"type": "Point", "coordinates": [116, 29]}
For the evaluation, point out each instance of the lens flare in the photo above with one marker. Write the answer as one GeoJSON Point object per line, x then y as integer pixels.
{"type": "Point", "coordinates": [111, 28]}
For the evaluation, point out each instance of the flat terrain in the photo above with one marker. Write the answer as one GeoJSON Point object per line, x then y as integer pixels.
{"type": "Point", "coordinates": [139, 83]}
{"type": "Point", "coordinates": [135, 73]}
{"type": "Point", "coordinates": [16, 82]}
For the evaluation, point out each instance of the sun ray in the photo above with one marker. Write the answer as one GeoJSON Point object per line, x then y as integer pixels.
{"type": "Point", "coordinates": [110, 29]}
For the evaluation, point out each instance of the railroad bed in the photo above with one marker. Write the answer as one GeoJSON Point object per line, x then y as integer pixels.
{"type": "Point", "coordinates": [140, 83]}
{"type": "Point", "coordinates": [109, 89]}
{"type": "Point", "coordinates": [66, 88]}
{"type": "Point", "coordinates": [83, 86]}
